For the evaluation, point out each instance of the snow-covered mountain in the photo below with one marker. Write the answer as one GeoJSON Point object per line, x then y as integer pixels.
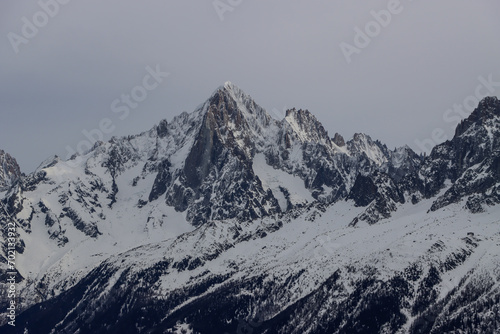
{"type": "Point", "coordinates": [228, 220]}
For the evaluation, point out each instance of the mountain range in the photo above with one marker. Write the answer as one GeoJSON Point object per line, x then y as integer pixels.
{"type": "Point", "coordinates": [227, 220]}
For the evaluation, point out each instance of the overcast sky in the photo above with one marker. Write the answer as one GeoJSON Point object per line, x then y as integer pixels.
{"type": "Point", "coordinates": [393, 79]}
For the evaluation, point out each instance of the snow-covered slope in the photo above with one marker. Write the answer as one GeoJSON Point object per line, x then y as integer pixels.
{"type": "Point", "coordinates": [308, 272]}
{"type": "Point", "coordinates": [225, 213]}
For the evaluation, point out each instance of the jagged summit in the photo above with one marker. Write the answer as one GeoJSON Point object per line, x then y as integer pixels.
{"type": "Point", "coordinates": [203, 163]}
{"type": "Point", "coordinates": [306, 125]}
{"type": "Point", "coordinates": [490, 103]}
{"type": "Point", "coordinates": [10, 171]}
{"type": "Point", "coordinates": [230, 88]}
{"type": "Point", "coordinates": [374, 150]}
{"type": "Point", "coordinates": [338, 140]}
{"type": "Point", "coordinates": [224, 213]}
{"type": "Point", "coordinates": [485, 115]}
{"type": "Point", "coordinates": [235, 103]}
{"type": "Point", "coordinates": [470, 161]}
{"type": "Point", "coordinates": [229, 85]}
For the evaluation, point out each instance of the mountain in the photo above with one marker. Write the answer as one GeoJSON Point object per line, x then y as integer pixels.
{"type": "Point", "coordinates": [9, 170]}
{"type": "Point", "coordinates": [473, 157]}
{"type": "Point", "coordinates": [228, 220]}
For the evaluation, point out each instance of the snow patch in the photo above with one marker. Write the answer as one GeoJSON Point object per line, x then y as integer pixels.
{"type": "Point", "coordinates": [276, 180]}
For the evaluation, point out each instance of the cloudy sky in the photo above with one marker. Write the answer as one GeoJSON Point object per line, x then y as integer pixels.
{"type": "Point", "coordinates": [403, 73]}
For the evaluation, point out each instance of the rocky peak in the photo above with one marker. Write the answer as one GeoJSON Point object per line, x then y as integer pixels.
{"type": "Point", "coordinates": [490, 104]}
{"type": "Point", "coordinates": [358, 141]}
{"type": "Point", "coordinates": [217, 171]}
{"type": "Point", "coordinates": [306, 126]}
{"type": "Point", "coordinates": [475, 138]}
{"type": "Point", "coordinates": [9, 170]}
{"type": "Point", "coordinates": [162, 129]}
{"type": "Point", "coordinates": [338, 140]}
{"type": "Point", "coordinates": [468, 162]}
{"type": "Point", "coordinates": [233, 109]}
{"type": "Point", "coordinates": [487, 110]}
{"type": "Point", "coordinates": [362, 144]}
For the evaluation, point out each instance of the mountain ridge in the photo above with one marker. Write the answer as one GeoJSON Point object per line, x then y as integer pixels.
{"type": "Point", "coordinates": [227, 188]}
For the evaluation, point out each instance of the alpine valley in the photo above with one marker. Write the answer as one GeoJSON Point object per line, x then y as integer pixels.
{"type": "Point", "coordinates": [227, 220]}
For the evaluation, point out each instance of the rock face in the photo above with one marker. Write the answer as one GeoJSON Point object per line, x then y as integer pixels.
{"type": "Point", "coordinates": [9, 170]}
{"type": "Point", "coordinates": [227, 220]}
{"type": "Point", "coordinates": [379, 193]}
{"type": "Point", "coordinates": [224, 145]}
{"type": "Point", "coordinates": [469, 161]}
